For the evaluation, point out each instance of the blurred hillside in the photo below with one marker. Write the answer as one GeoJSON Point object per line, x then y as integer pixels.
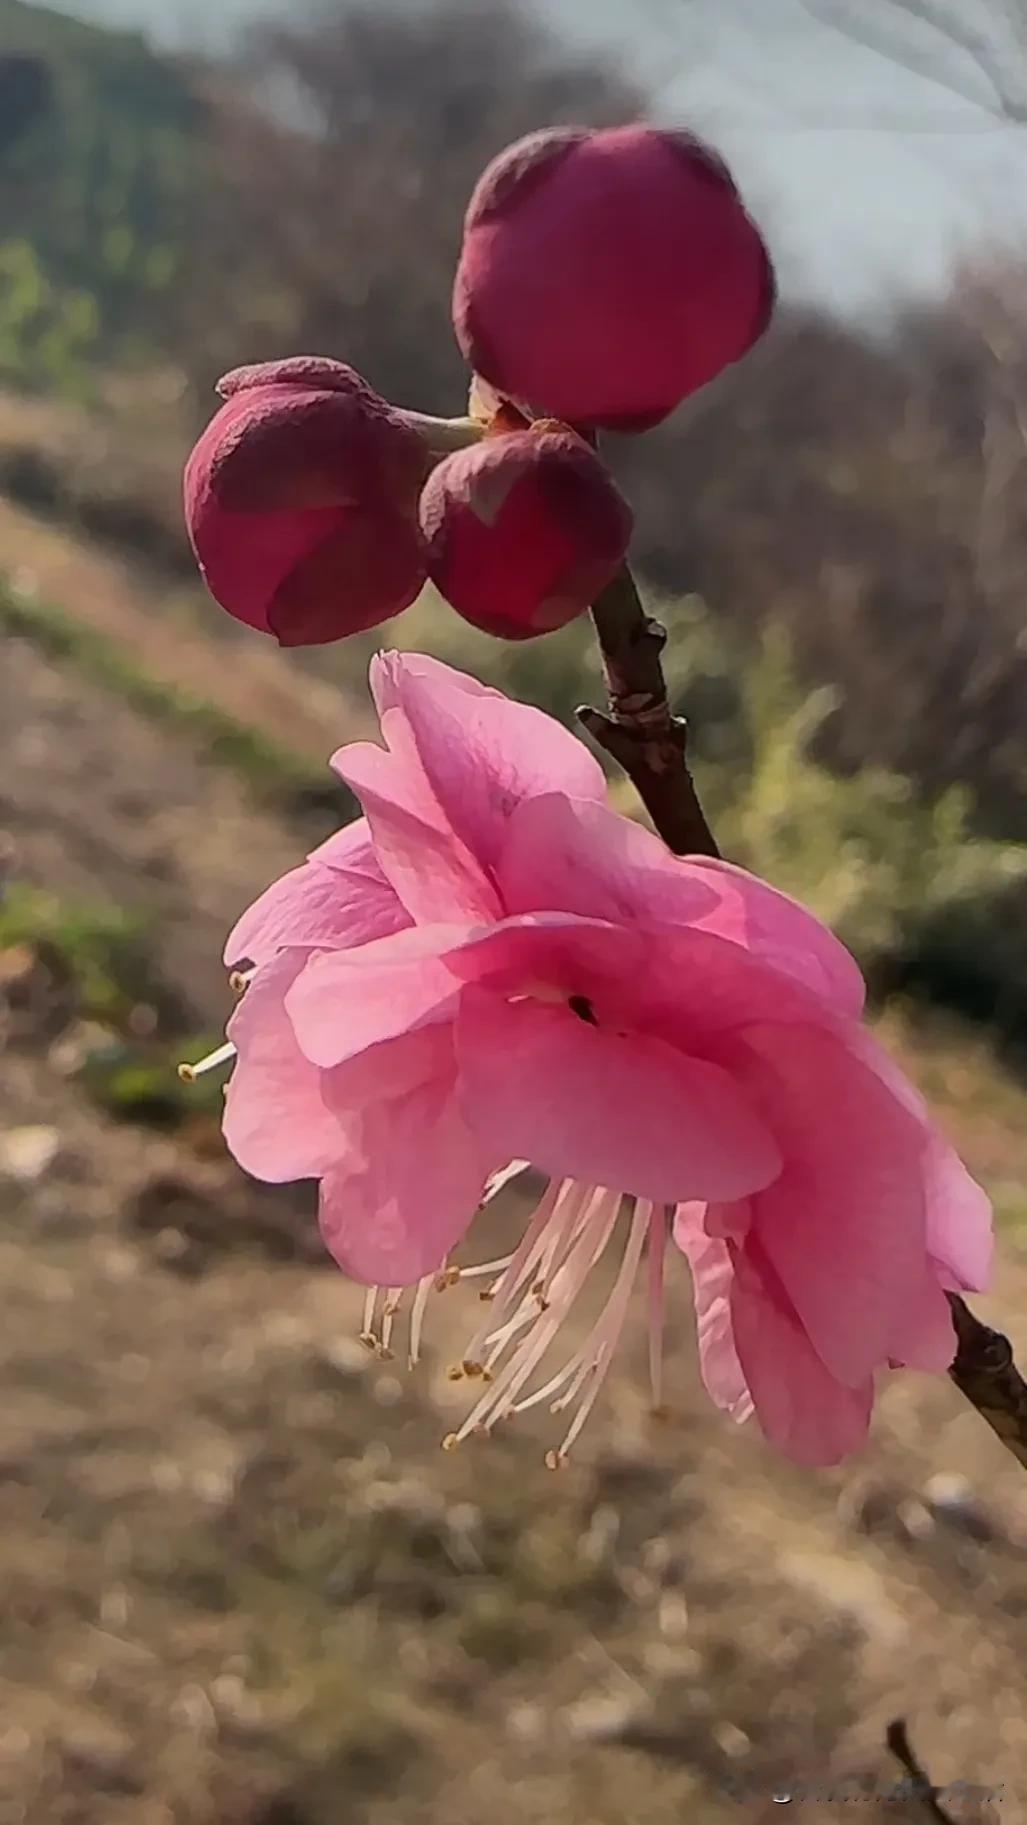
{"type": "Point", "coordinates": [96, 189]}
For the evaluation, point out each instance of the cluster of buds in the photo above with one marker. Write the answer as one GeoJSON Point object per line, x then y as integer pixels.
{"type": "Point", "coordinates": [604, 277]}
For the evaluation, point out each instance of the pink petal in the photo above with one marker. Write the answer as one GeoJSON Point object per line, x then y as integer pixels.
{"type": "Point", "coordinates": [584, 858]}
{"type": "Point", "coordinates": [690, 989]}
{"type": "Point", "coordinates": [924, 1336]}
{"type": "Point", "coordinates": [712, 1279]}
{"type": "Point", "coordinates": [396, 1213]}
{"type": "Point", "coordinates": [432, 872]}
{"type": "Point", "coordinates": [389, 1069]}
{"type": "Point", "coordinates": [959, 1221]}
{"type": "Point", "coordinates": [275, 1122]}
{"type": "Point", "coordinates": [587, 859]}
{"type": "Point", "coordinates": [390, 674]}
{"type": "Point", "coordinates": [554, 956]}
{"type": "Point", "coordinates": [801, 1408]}
{"type": "Point", "coordinates": [349, 848]}
{"type": "Point", "coordinates": [844, 1224]}
{"type": "Point", "coordinates": [482, 755]}
{"type": "Point", "coordinates": [315, 905]}
{"type": "Point", "coordinates": [346, 1001]}
{"type": "Point", "coordinates": [539, 1084]}
{"type": "Point", "coordinates": [729, 1222]}
{"type": "Point", "coordinates": [784, 934]}
{"type": "Point", "coordinates": [699, 989]}
{"type": "Point", "coordinates": [959, 1215]}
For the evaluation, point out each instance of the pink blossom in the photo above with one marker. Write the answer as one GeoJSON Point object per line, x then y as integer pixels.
{"type": "Point", "coordinates": [491, 967]}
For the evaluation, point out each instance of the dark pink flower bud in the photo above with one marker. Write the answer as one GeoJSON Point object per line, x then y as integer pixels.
{"type": "Point", "coordinates": [301, 502]}
{"type": "Point", "coordinates": [607, 274]}
{"type": "Point", "coordinates": [524, 530]}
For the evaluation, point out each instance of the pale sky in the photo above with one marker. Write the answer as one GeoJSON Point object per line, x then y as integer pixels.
{"type": "Point", "coordinates": [869, 179]}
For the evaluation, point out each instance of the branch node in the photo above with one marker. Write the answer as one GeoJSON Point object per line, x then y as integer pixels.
{"type": "Point", "coordinates": [639, 731]}
{"type": "Point", "coordinates": [984, 1371]}
{"type": "Point", "coordinates": [654, 632]}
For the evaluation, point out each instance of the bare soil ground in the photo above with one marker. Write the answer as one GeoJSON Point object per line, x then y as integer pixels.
{"type": "Point", "coordinates": [241, 1585]}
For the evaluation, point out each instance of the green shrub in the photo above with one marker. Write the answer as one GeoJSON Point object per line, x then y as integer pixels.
{"type": "Point", "coordinates": [48, 333]}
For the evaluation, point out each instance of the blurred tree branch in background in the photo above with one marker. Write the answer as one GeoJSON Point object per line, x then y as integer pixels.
{"type": "Point", "coordinates": [920, 35]}
{"type": "Point", "coordinates": [345, 165]}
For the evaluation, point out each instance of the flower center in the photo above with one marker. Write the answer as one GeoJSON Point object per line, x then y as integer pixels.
{"type": "Point", "coordinates": [582, 1007]}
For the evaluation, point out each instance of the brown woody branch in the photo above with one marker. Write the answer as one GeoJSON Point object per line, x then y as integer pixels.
{"type": "Point", "coordinates": [985, 1372]}
{"type": "Point", "coordinates": [641, 734]}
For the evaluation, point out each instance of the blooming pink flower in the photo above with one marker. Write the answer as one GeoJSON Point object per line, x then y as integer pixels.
{"type": "Point", "coordinates": [606, 275]}
{"type": "Point", "coordinates": [492, 967]}
{"type": "Point", "coordinates": [301, 502]}
{"type": "Point", "coordinates": [524, 530]}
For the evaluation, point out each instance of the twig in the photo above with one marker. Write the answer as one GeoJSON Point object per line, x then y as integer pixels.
{"type": "Point", "coordinates": [444, 435]}
{"type": "Point", "coordinates": [852, 20]}
{"type": "Point", "coordinates": [985, 1372]}
{"type": "Point", "coordinates": [639, 732]}
{"type": "Point", "coordinates": [649, 743]}
{"type": "Point", "coordinates": [897, 1739]}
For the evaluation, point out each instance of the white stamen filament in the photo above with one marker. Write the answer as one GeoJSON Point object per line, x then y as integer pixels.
{"type": "Point", "coordinates": [500, 1179]}
{"type": "Point", "coordinates": [583, 1359]}
{"type": "Point", "coordinates": [533, 1296]}
{"type": "Point", "coordinates": [507, 1286]}
{"type": "Point", "coordinates": [535, 1272]}
{"type": "Point", "coordinates": [424, 1287]}
{"type": "Point", "coordinates": [367, 1328]}
{"type": "Point", "coordinates": [575, 1219]}
{"type": "Point", "coordinates": [614, 1316]}
{"type": "Point", "coordinates": [393, 1299]}
{"type": "Point", "coordinates": [481, 1268]}
{"type": "Point", "coordinates": [593, 1218]}
{"type": "Point", "coordinates": [213, 1062]}
{"type": "Point", "coordinates": [658, 1229]}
